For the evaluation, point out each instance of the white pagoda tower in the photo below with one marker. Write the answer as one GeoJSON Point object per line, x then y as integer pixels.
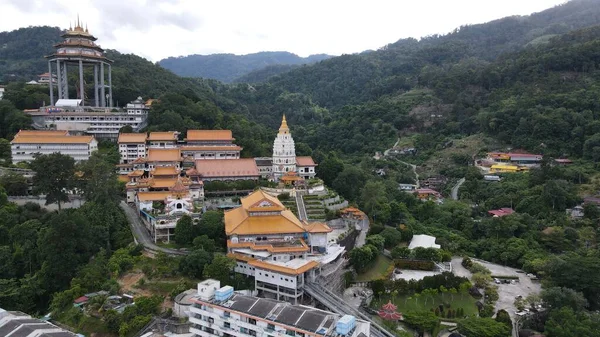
{"type": "Point", "coordinates": [284, 152]}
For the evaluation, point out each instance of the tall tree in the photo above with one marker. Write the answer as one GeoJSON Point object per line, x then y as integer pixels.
{"type": "Point", "coordinates": [55, 176]}
{"type": "Point", "coordinates": [483, 327]}
{"type": "Point", "coordinates": [220, 269]}
{"type": "Point", "coordinates": [184, 230]}
{"type": "Point", "coordinates": [98, 180]}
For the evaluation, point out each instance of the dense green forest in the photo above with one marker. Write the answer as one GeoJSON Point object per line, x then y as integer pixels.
{"type": "Point", "coordinates": [232, 68]}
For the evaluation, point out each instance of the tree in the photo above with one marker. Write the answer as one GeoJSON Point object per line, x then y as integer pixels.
{"type": "Point", "coordinates": [376, 241]}
{"type": "Point", "coordinates": [220, 269]}
{"type": "Point", "coordinates": [329, 169]}
{"type": "Point", "coordinates": [184, 231]}
{"type": "Point", "coordinates": [430, 254]}
{"type": "Point", "coordinates": [54, 177]}
{"type": "Point", "coordinates": [126, 129]}
{"type": "Point", "coordinates": [502, 316]}
{"type": "Point", "coordinates": [481, 280]}
{"type": "Point", "coordinates": [14, 183]}
{"type": "Point", "coordinates": [400, 252]}
{"type": "Point", "coordinates": [345, 182]}
{"type": "Point", "coordinates": [98, 180]}
{"type": "Point", "coordinates": [5, 152]}
{"type": "Point", "coordinates": [482, 327]}
{"type": "Point", "coordinates": [205, 243]}
{"type": "Point", "coordinates": [560, 297]}
{"type": "Point", "coordinates": [422, 321]}
{"type": "Point", "coordinates": [213, 226]}
{"type": "Point", "coordinates": [567, 323]}
{"type": "Point", "coordinates": [193, 264]}
{"type": "Point", "coordinates": [361, 257]}
{"type": "Point", "coordinates": [391, 236]}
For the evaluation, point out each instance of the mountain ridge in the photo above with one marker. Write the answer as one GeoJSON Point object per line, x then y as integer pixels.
{"type": "Point", "coordinates": [227, 67]}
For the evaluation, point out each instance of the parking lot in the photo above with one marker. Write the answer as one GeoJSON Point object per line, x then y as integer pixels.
{"type": "Point", "coordinates": [507, 292]}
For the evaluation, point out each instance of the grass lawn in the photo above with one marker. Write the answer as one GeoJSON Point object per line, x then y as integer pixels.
{"type": "Point", "coordinates": [376, 271]}
{"type": "Point", "coordinates": [405, 304]}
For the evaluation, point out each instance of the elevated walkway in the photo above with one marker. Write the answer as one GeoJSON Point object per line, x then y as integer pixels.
{"type": "Point", "coordinates": [336, 304]}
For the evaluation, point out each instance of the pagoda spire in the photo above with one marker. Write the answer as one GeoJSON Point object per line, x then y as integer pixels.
{"type": "Point", "coordinates": [284, 127]}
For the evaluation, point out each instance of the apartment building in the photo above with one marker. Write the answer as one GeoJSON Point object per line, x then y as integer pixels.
{"type": "Point", "coordinates": [15, 323]}
{"type": "Point", "coordinates": [220, 311]}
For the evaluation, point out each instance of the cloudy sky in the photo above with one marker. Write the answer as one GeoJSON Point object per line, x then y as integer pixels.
{"type": "Point", "coordinates": [156, 29]}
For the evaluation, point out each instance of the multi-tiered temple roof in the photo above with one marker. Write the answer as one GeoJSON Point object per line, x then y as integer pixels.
{"type": "Point", "coordinates": [79, 43]}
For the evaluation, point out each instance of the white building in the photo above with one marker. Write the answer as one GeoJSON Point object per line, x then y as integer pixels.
{"type": "Point", "coordinates": [132, 146]}
{"type": "Point", "coordinates": [284, 152]}
{"type": "Point", "coordinates": [27, 143]}
{"type": "Point", "coordinates": [102, 123]}
{"type": "Point", "coordinates": [2, 89]}
{"type": "Point", "coordinates": [219, 311]}
{"type": "Point", "coordinates": [14, 323]}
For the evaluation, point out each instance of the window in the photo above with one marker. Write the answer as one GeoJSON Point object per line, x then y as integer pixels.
{"type": "Point", "coordinates": [227, 325]}
{"type": "Point", "coordinates": [252, 332]}
{"type": "Point", "coordinates": [290, 332]}
{"type": "Point", "coordinates": [243, 330]}
{"type": "Point", "coordinates": [227, 314]}
{"type": "Point", "coordinates": [270, 327]}
{"type": "Point", "coordinates": [252, 321]}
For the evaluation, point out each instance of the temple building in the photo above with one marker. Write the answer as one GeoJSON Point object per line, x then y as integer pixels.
{"type": "Point", "coordinates": [27, 143]}
{"type": "Point", "coordinates": [284, 157]}
{"type": "Point", "coordinates": [80, 50]}
{"type": "Point", "coordinates": [271, 244]}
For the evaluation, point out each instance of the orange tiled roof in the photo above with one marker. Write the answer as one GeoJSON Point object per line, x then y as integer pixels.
{"type": "Point", "coordinates": [42, 133]}
{"type": "Point", "coordinates": [270, 248]}
{"type": "Point", "coordinates": [204, 135]}
{"type": "Point", "coordinates": [164, 155]}
{"type": "Point", "coordinates": [136, 173]}
{"type": "Point", "coordinates": [162, 182]}
{"type": "Point", "coordinates": [52, 140]}
{"type": "Point", "coordinates": [238, 221]}
{"type": "Point", "coordinates": [318, 227]}
{"type": "Point", "coordinates": [259, 196]}
{"type": "Point", "coordinates": [124, 178]}
{"type": "Point", "coordinates": [305, 161]}
{"type": "Point", "coordinates": [132, 137]}
{"type": "Point", "coordinates": [153, 196]}
{"type": "Point", "coordinates": [282, 269]}
{"type": "Point", "coordinates": [164, 171]}
{"type": "Point", "coordinates": [211, 148]}
{"type": "Point", "coordinates": [163, 135]}
{"type": "Point", "coordinates": [245, 167]}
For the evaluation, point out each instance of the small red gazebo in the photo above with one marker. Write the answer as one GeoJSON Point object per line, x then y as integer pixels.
{"type": "Point", "coordinates": [388, 312]}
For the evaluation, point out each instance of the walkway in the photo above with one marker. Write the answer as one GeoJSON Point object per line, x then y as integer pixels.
{"type": "Point", "coordinates": [336, 304]}
{"type": "Point", "coordinates": [456, 187]}
{"type": "Point", "coordinates": [141, 235]}
{"type": "Point", "coordinates": [301, 208]}
{"type": "Point", "coordinates": [414, 169]}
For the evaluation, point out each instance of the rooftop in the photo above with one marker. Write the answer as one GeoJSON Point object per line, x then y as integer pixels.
{"type": "Point", "coordinates": [154, 196]}
{"type": "Point", "coordinates": [132, 137]}
{"type": "Point", "coordinates": [305, 161]}
{"type": "Point", "coordinates": [52, 139]}
{"type": "Point", "coordinates": [163, 135]}
{"type": "Point", "coordinates": [43, 133]}
{"type": "Point", "coordinates": [164, 155]}
{"type": "Point", "coordinates": [18, 324]}
{"type": "Point", "coordinates": [210, 148]}
{"type": "Point", "coordinates": [245, 167]}
{"type": "Point", "coordinates": [207, 135]}
{"type": "Point", "coordinates": [165, 171]}
{"type": "Point", "coordinates": [501, 212]}
{"type": "Point", "coordinates": [307, 319]}
{"type": "Point", "coordinates": [424, 241]}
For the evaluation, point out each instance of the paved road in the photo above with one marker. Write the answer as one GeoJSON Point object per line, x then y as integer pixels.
{"type": "Point", "coordinates": [414, 169]}
{"type": "Point", "coordinates": [456, 187]}
{"type": "Point", "coordinates": [141, 235]}
{"type": "Point", "coordinates": [362, 236]}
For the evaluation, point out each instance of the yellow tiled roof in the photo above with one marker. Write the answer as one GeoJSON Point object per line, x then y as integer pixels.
{"type": "Point", "coordinates": [153, 196]}
{"type": "Point", "coordinates": [136, 173]}
{"type": "Point", "coordinates": [318, 227]}
{"type": "Point", "coordinates": [258, 196]}
{"type": "Point", "coordinates": [164, 155]}
{"type": "Point", "coordinates": [199, 135]}
{"type": "Point", "coordinates": [210, 148]}
{"type": "Point", "coordinates": [237, 221]}
{"type": "Point", "coordinates": [281, 269]}
{"type": "Point", "coordinates": [52, 139]}
{"type": "Point", "coordinates": [270, 248]}
{"type": "Point", "coordinates": [163, 135]}
{"type": "Point", "coordinates": [124, 178]}
{"type": "Point", "coordinates": [165, 170]}
{"type": "Point", "coordinates": [162, 182]}
{"type": "Point", "coordinates": [132, 137]}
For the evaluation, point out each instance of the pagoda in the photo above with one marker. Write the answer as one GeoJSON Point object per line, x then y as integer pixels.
{"type": "Point", "coordinates": [79, 50]}
{"type": "Point", "coordinates": [284, 152]}
{"type": "Point", "coordinates": [388, 312]}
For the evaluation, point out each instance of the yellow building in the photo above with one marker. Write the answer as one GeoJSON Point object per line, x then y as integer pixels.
{"type": "Point", "coordinates": [507, 169]}
{"type": "Point", "coordinates": [282, 252]}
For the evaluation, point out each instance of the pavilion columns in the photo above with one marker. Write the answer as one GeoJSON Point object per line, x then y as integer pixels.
{"type": "Point", "coordinates": [102, 87]}
{"type": "Point", "coordinates": [96, 84]}
{"type": "Point", "coordinates": [59, 79]}
{"type": "Point", "coordinates": [51, 83]}
{"type": "Point", "coordinates": [110, 85]}
{"type": "Point", "coordinates": [81, 86]}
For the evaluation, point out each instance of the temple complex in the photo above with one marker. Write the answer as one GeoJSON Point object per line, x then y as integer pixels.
{"type": "Point", "coordinates": [270, 243]}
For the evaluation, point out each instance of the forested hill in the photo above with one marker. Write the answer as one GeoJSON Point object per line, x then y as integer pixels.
{"type": "Point", "coordinates": [229, 67]}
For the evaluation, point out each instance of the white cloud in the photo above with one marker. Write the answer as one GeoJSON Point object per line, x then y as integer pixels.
{"type": "Point", "coordinates": [157, 29]}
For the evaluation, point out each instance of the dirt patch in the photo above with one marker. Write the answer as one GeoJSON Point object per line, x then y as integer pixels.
{"type": "Point", "coordinates": [128, 282]}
